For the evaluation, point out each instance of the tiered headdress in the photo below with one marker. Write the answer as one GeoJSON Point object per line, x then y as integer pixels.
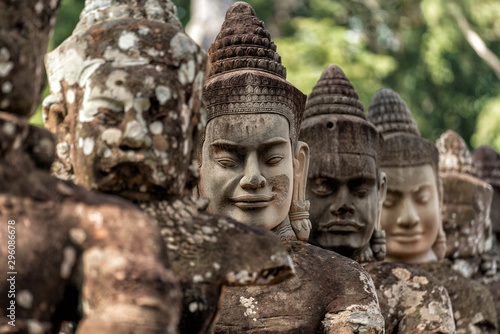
{"type": "Point", "coordinates": [487, 162]}
{"type": "Point", "coordinates": [247, 76]}
{"type": "Point", "coordinates": [335, 122]}
{"type": "Point", "coordinates": [403, 146]}
{"type": "Point", "coordinates": [466, 200]}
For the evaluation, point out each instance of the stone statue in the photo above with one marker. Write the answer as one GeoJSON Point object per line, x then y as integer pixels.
{"type": "Point", "coordinates": [411, 213]}
{"type": "Point", "coordinates": [125, 106]}
{"type": "Point", "coordinates": [346, 190]}
{"type": "Point", "coordinates": [487, 163]}
{"type": "Point", "coordinates": [254, 169]}
{"type": "Point", "coordinates": [62, 244]}
{"type": "Point", "coordinates": [466, 206]}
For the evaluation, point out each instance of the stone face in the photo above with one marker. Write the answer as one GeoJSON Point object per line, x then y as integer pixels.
{"type": "Point", "coordinates": [411, 212]}
{"type": "Point", "coordinates": [473, 305]}
{"type": "Point", "coordinates": [82, 246]}
{"type": "Point", "coordinates": [329, 294]}
{"type": "Point", "coordinates": [126, 109]}
{"type": "Point", "coordinates": [466, 200]}
{"type": "Point", "coordinates": [411, 300]}
{"type": "Point", "coordinates": [346, 190]}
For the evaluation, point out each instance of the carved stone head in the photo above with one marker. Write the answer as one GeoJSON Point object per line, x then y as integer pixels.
{"type": "Point", "coordinates": [125, 101]}
{"type": "Point", "coordinates": [251, 163]}
{"type": "Point", "coordinates": [25, 29]}
{"type": "Point", "coordinates": [411, 213]}
{"type": "Point", "coordinates": [487, 163]}
{"type": "Point", "coordinates": [466, 199]}
{"type": "Point", "coordinates": [345, 186]}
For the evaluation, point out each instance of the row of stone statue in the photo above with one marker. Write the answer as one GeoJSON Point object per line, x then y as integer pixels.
{"type": "Point", "coordinates": [166, 176]}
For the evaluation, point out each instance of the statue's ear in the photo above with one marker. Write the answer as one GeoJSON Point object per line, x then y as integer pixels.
{"type": "Point", "coordinates": [54, 112]}
{"type": "Point", "coordinates": [382, 189]}
{"type": "Point", "coordinates": [299, 210]}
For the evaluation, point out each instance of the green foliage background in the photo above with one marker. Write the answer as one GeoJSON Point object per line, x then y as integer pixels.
{"type": "Point", "coordinates": [413, 47]}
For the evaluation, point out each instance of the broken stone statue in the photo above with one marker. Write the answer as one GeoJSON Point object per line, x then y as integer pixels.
{"type": "Point", "coordinates": [62, 244]}
{"type": "Point", "coordinates": [125, 106]}
{"type": "Point", "coordinates": [346, 190]}
{"type": "Point", "coordinates": [411, 213]}
{"type": "Point", "coordinates": [254, 169]}
{"type": "Point", "coordinates": [487, 163]}
{"type": "Point", "coordinates": [466, 208]}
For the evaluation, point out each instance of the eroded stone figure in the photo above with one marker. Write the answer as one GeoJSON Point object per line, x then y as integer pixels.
{"type": "Point", "coordinates": [487, 163]}
{"type": "Point", "coordinates": [346, 190]}
{"type": "Point", "coordinates": [69, 247]}
{"type": "Point", "coordinates": [411, 213]}
{"type": "Point", "coordinates": [466, 208]}
{"type": "Point", "coordinates": [254, 169]}
{"type": "Point", "coordinates": [125, 106]}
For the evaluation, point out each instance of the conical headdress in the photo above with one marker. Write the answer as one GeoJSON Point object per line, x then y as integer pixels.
{"type": "Point", "coordinates": [335, 122]}
{"type": "Point", "coordinates": [487, 163]}
{"type": "Point", "coordinates": [389, 113]}
{"type": "Point", "coordinates": [334, 94]}
{"type": "Point", "coordinates": [403, 146]}
{"type": "Point", "coordinates": [246, 73]}
{"type": "Point", "coordinates": [454, 156]}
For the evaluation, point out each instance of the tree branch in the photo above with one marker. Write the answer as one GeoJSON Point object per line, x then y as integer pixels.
{"type": "Point", "coordinates": [474, 40]}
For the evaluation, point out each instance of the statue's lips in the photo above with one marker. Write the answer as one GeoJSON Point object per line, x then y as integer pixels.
{"type": "Point", "coordinates": [252, 201]}
{"type": "Point", "coordinates": [408, 237]}
{"type": "Point", "coordinates": [341, 225]}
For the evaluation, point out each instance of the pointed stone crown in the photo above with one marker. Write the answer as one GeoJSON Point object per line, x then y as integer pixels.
{"type": "Point", "coordinates": [335, 123]}
{"type": "Point", "coordinates": [334, 94]}
{"type": "Point", "coordinates": [96, 11]}
{"type": "Point", "coordinates": [246, 74]}
{"type": "Point", "coordinates": [454, 156]}
{"type": "Point", "coordinates": [487, 163]}
{"type": "Point", "coordinates": [403, 146]}
{"type": "Point", "coordinates": [389, 113]}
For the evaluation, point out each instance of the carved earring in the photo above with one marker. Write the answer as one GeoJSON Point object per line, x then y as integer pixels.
{"type": "Point", "coordinates": [377, 241]}
{"type": "Point", "coordinates": [299, 219]}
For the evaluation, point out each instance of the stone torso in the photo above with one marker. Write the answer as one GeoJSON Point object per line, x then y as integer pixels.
{"type": "Point", "coordinates": [326, 290]}
{"type": "Point", "coordinates": [411, 300]}
{"type": "Point", "coordinates": [473, 306]}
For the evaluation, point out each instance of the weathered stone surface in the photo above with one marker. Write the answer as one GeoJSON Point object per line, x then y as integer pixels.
{"type": "Point", "coordinates": [25, 29]}
{"type": "Point", "coordinates": [125, 105]}
{"type": "Point", "coordinates": [466, 200]}
{"type": "Point", "coordinates": [73, 245]}
{"type": "Point", "coordinates": [411, 300]}
{"type": "Point", "coordinates": [473, 305]}
{"type": "Point", "coordinates": [329, 294]}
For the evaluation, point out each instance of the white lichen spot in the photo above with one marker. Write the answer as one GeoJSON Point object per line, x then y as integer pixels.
{"type": "Point", "coordinates": [156, 128]}
{"type": "Point", "coordinates": [88, 146]}
{"type": "Point", "coordinates": [77, 235]}
{"type": "Point", "coordinates": [143, 31]}
{"type": "Point", "coordinates": [127, 40]}
{"type": "Point", "coordinates": [70, 96]}
{"type": "Point", "coordinates": [362, 318]}
{"type": "Point", "coordinates": [185, 117]}
{"type": "Point", "coordinates": [5, 65]}
{"type": "Point", "coordinates": [39, 7]}
{"type": "Point", "coordinates": [25, 299]}
{"type": "Point", "coordinates": [401, 273]}
{"type": "Point", "coordinates": [143, 188]}
{"type": "Point", "coordinates": [182, 46]}
{"type": "Point", "coordinates": [216, 266]}
{"type": "Point", "coordinates": [53, 3]}
{"type": "Point", "coordinates": [80, 142]}
{"type": "Point", "coordinates": [107, 153]}
{"type": "Point", "coordinates": [250, 307]}
{"type": "Point", "coordinates": [420, 280]}
{"type": "Point", "coordinates": [62, 150]}
{"type": "Point", "coordinates": [36, 327]}
{"type": "Point", "coordinates": [193, 307]}
{"type": "Point", "coordinates": [197, 278]}
{"type": "Point", "coordinates": [187, 72]}
{"type": "Point", "coordinates": [96, 218]}
{"type": "Point", "coordinates": [134, 131]}
{"type": "Point", "coordinates": [69, 258]}
{"type": "Point", "coordinates": [111, 136]}
{"type": "Point", "coordinates": [7, 87]}
{"type": "Point", "coordinates": [8, 128]}
{"type": "Point", "coordinates": [163, 94]}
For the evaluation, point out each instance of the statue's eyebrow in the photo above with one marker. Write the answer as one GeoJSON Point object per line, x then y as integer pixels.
{"type": "Point", "coordinates": [227, 145]}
